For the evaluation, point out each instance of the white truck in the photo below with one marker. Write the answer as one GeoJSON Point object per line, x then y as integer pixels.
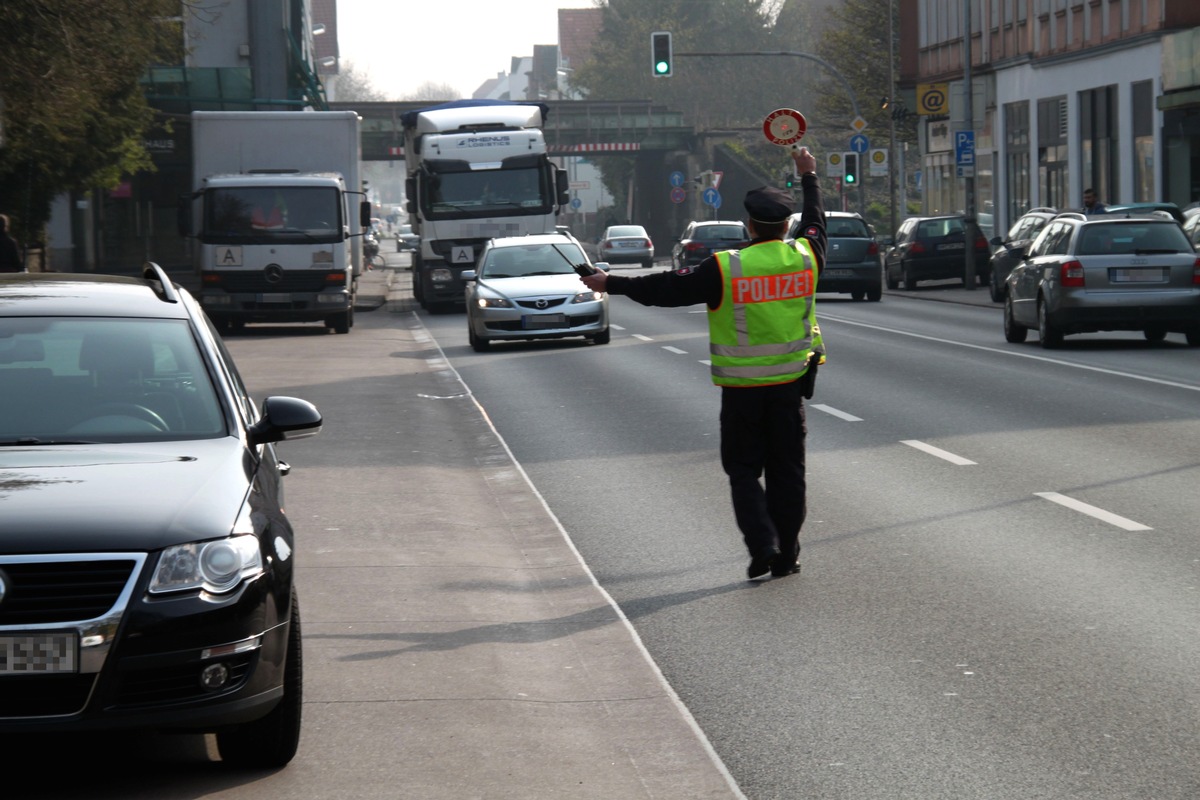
{"type": "Point", "coordinates": [477, 170]}
{"type": "Point", "coordinates": [277, 212]}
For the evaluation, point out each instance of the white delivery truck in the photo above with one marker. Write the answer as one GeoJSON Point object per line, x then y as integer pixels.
{"type": "Point", "coordinates": [477, 170]}
{"type": "Point", "coordinates": [277, 212]}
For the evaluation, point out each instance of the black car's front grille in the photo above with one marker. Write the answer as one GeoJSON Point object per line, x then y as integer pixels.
{"type": "Point", "coordinates": [44, 695]}
{"type": "Point", "coordinates": [179, 683]}
{"type": "Point", "coordinates": [53, 592]}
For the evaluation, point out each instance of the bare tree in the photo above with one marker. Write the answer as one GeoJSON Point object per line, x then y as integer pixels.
{"type": "Point", "coordinates": [434, 91]}
{"type": "Point", "coordinates": [353, 83]}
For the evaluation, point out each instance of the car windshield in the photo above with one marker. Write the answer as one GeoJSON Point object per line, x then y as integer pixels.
{"type": "Point", "coordinates": [66, 380]}
{"type": "Point", "coordinates": [265, 214]}
{"type": "Point", "coordinates": [626, 230]}
{"type": "Point", "coordinates": [848, 228]}
{"type": "Point", "coordinates": [532, 259]}
{"type": "Point", "coordinates": [1126, 238]}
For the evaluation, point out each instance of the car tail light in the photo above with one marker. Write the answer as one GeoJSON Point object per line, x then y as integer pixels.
{"type": "Point", "coordinates": [694, 247]}
{"type": "Point", "coordinates": [981, 243]}
{"type": "Point", "coordinates": [1196, 272]}
{"type": "Point", "coordinates": [647, 243]}
{"type": "Point", "coordinates": [916, 248]}
{"type": "Point", "coordinates": [1071, 274]}
{"type": "Point", "coordinates": [873, 249]}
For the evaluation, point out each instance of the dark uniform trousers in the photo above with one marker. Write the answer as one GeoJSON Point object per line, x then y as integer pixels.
{"type": "Point", "coordinates": [762, 434]}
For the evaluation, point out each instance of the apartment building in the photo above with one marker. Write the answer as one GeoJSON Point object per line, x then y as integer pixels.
{"type": "Point", "coordinates": [1065, 95]}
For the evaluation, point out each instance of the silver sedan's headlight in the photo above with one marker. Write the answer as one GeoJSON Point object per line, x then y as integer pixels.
{"type": "Point", "coordinates": [215, 567]}
{"type": "Point", "coordinates": [492, 302]}
{"type": "Point", "coordinates": [588, 297]}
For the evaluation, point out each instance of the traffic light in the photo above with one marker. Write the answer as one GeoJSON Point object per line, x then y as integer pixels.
{"type": "Point", "coordinates": [660, 54]}
{"type": "Point", "coordinates": [850, 169]}
{"type": "Point", "coordinates": [789, 179]}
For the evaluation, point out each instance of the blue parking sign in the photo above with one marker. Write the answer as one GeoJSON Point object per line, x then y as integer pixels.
{"type": "Point", "coordinates": [964, 148]}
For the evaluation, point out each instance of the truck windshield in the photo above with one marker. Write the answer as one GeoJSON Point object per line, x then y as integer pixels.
{"type": "Point", "coordinates": [493, 193]}
{"type": "Point", "coordinates": [272, 213]}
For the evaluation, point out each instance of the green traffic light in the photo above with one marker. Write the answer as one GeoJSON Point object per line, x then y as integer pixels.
{"type": "Point", "coordinates": [661, 67]}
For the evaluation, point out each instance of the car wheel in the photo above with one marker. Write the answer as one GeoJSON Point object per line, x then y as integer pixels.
{"type": "Point", "coordinates": [478, 343]}
{"type": "Point", "coordinates": [892, 283]}
{"type": "Point", "coordinates": [1193, 338]}
{"type": "Point", "coordinates": [648, 263]}
{"type": "Point", "coordinates": [341, 323]}
{"type": "Point", "coordinates": [271, 742]}
{"type": "Point", "coordinates": [985, 279]}
{"type": "Point", "coordinates": [856, 296]}
{"type": "Point", "coordinates": [1013, 331]}
{"type": "Point", "coordinates": [910, 278]}
{"type": "Point", "coordinates": [604, 337]}
{"type": "Point", "coordinates": [1051, 336]}
{"type": "Point", "coordinates": [1154, 334]}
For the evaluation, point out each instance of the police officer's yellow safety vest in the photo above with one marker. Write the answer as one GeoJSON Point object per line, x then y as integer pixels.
{"type": "Point", "coordinates": [765, 328]}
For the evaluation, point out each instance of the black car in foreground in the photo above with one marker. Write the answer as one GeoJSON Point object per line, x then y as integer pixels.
{"type": "Point", "coordinates": [1015, 242]}
{"type": "Point", "coordinates": [146, 564]}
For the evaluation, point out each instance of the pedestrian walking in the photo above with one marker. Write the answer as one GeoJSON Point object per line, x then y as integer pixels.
{"type": "Point", "coordinates": [764, 343]}
{"type": "Point", "coordinates": [10, 251]}
{"type": "Point", "coordinates": [1091, 203]}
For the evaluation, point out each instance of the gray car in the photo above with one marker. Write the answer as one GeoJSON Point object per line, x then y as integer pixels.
{"type": "Point", "coordinates": [1019, 237]}
{"type": "Point", "coordinates": [1105, 273]}
{"type": "Point", "coordinates": [625, 244]}
{"type": "Point", "coordinates": [528, 287]}
{"type": "Point", "coordinates": [853, 263]}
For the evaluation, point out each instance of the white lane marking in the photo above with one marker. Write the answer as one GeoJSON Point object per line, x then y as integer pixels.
{"type": "Point", "coordinates": [834, 412]}
{"type": "Point", "coordinates": [1030, 356]}
{"type": "Point", "coordinates": [643, 338]}
{"type": "Point", "coordinates": [706, 362]}
{"type": "Point", "coordinates": [674, 350]}
{"type": "Point", "coordinates": [937, 451]}
{"type": "Point", "coordinates": [616, 327]}
{"type": "Point", "coordinates": [1092, 511]}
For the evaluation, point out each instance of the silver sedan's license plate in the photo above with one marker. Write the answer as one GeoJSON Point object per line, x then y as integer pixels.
{"type": "Point", "coordinates": [531, 321]}
{"type": "Point", "coordinates": [1139, 275]}
{"type": "Point", "coordinates": [36, 653]}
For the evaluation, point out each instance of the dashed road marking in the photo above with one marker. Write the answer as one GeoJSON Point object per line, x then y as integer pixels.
{"type": "Point", "coordinates": [835, 412]}
{"type": "Point", "coordinates": [937, 451]}
{"type": "Point", "coordinates": [1093, 511]}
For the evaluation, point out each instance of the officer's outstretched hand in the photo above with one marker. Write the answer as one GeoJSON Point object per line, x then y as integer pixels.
{"type": "Point", "coordinates": [804, 160]}
{"type": "Point", "coordinates": [597, 281]}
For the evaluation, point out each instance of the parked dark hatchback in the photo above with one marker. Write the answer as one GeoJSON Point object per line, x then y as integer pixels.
{"type": "Point", "coordinates": [934, 248]}
{"type": "Point", "coordinates": [1020, 236]}
{"type": "Point", "coordinates": [146, 564]}
{"type": "Point", "coordinates": [852, 260]}
{"type": "Point", "coordinates": [702, 238]}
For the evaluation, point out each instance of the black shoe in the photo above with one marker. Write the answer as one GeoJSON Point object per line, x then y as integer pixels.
{"type": "Point", "coordinates": [786, 566]}
{"type": "Point", "coordinates": [760, 565]}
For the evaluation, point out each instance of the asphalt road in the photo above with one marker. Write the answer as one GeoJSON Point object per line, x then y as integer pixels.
{"type": "Point", "coordinates": [999, 590]}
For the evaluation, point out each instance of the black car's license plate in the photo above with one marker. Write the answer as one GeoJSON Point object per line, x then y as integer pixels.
{"type": "Point", "coordinates": [952, 246]}
{"type": "Point", "coordinates": [41, 652]}
{"type": "Point", "coordinates": [838, 273]}
{"type": "Point", "coordinates": [533, 321]}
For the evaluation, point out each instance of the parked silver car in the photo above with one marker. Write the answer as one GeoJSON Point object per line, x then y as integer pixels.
{"type": "Point", "coordinates": [527, 287]}
{"type": "Point", "coordinates": [853, 263]}
{"type": "Point", "coordinates": [1112, 272]}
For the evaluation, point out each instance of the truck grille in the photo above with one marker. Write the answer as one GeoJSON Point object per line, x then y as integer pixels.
{"type": "Point", "coordinates": [256, 283]}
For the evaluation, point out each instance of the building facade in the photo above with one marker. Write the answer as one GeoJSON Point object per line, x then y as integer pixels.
{"type": "Point", "coordinates": [1065, 95]}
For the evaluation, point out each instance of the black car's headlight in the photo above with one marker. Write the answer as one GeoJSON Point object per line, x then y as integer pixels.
{"type": "Point", "coordinates": [217, 567]}
{"type": "Point", "coordinates": [587, 297]}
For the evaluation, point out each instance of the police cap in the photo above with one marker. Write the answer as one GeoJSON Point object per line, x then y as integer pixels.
{"type": "Point", "coordinates": [769, 205]}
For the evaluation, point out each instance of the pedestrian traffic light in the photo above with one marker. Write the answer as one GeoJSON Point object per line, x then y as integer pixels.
{"type": "Point", "coordinates": [850, 168]}
{"type": "Point", "coordinates": [660, 54]}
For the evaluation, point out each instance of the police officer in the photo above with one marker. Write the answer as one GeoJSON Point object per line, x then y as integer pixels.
{"type": "Point", "coordinates": [763, 336]}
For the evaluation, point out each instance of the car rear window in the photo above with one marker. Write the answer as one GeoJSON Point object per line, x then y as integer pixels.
{"type": "Point", "coordinates": [939, 228]}
{"type": "Point", "coordinates": [1126, 238]}
{"type": "Point", "coordinates": [847, 229]}
{"type": "Point", "coordinates": [718, 233]}
{"type": "Point", "coordinates": [626, 230]}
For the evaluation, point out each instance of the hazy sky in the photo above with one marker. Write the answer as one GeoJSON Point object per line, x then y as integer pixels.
{"type": "Point", "coordinates": [401, 45]}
